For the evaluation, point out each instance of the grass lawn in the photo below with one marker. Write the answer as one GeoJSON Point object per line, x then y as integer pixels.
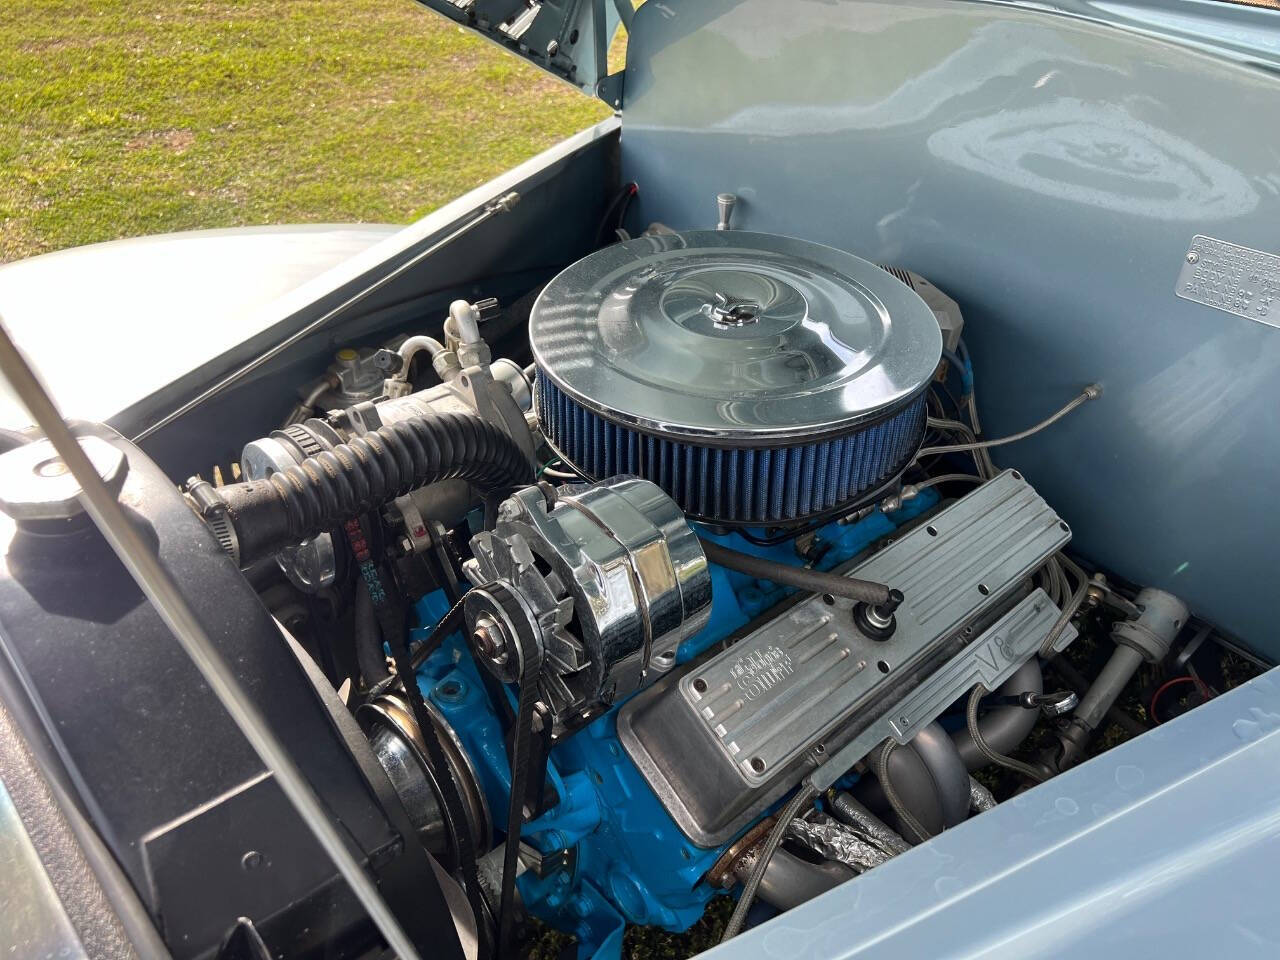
{"type": "Point", "coordinates": [127, 117]}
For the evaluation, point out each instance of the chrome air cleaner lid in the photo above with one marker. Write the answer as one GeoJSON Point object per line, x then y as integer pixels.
{"type": "Point", "coordinates": [729, 335]}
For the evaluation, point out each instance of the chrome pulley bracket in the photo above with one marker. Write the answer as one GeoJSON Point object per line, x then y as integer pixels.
{"type": "Point", "coordinates": [451, 792]}
{"type": "Point", "coordinates": [506, 641]}
{"type": "Point", "coordinates": [570, 676]}
{"type": "Point", "coordinates": [401, 749]}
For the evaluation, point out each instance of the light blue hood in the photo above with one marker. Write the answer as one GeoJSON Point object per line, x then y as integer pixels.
{"type": "Point", "coordinates": [112, 323]}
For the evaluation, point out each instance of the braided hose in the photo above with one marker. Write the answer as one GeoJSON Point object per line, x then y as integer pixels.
{"type": "Point", "coordinates": [1072, 607]}
{"type": "Point", "coordinates": [891, 794]}
{"type": "Point", "coordinates": [352, 478]}
{"type": "Point", "coordinates": [738, 919]}
{"type": "Point", "coordinates": [995, 756]}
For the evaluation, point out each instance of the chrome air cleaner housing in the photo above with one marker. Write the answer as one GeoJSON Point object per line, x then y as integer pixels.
{"type": "Point", "coordinates": [757, 379]}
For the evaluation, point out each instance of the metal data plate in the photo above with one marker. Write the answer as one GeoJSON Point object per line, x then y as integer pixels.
{"type": "Point", "coordinates": [721, 741]}
{"type": "Point", "coordinates": [1233, 278]}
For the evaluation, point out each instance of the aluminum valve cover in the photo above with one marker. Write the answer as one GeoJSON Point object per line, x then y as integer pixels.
{"type": "Point", "coordinates": [990, 660]}
{"type": "Point", "coordinates": [722, 741]}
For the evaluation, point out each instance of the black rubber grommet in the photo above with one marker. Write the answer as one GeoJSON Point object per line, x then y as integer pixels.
{"type": "Point", "coordinates": [864, 624]}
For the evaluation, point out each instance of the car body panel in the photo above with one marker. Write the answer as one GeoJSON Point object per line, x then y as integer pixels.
{"type": "Point", "coordinates": [111, 323]}
{"type": "Point", "coordinates": [1050, 173]}
{"type": "Point", "coordinates": [1161, 847]}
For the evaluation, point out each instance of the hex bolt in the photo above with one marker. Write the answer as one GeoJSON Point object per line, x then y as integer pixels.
{"type": "Point", "coordinates": [490, 641]}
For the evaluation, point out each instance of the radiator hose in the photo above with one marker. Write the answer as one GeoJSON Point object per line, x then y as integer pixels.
{"type": "Point", "coordinates": [368, 638]}
{"type": "Point", "coordinates": [349, 479]}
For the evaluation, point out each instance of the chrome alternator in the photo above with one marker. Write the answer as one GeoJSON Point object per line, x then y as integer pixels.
{"type": "Point", "coordinates": [607, 578]}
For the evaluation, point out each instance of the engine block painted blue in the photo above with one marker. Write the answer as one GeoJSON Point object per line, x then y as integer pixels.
{"type": "Point", "coordinates": [624, 859]}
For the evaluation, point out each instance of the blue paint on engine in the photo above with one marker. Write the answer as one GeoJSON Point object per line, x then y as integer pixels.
{"type": "Point", "coordinates": [627, 861]}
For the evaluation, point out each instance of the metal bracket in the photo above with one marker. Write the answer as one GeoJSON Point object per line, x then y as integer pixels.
{"type": "Point", "coordinates": [567, 38]}
{"type": "Point", "coordinates": [610, 89]}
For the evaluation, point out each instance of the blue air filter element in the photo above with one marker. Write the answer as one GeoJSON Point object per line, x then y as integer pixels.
{"type": "Point", "coordinates": [738, 485]}
{"type": "Point", "coordinates": [758, 380]}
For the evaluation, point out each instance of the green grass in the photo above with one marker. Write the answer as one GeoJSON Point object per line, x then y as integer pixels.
{"type": "Point", "coordinates": [127, 117]}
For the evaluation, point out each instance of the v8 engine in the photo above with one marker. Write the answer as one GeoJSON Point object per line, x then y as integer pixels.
{"type": "Point", "coordinates": [722, 593]}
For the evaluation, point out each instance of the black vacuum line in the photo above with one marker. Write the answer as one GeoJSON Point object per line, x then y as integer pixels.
{"type": "Point", "coordinates": [812, 581]}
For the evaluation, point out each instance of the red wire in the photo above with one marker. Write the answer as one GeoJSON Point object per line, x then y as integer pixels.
{"type": "Point", "coordinates": [1162, 688]}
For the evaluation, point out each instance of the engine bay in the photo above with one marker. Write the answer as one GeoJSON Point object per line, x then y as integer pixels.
{"type": "Point", "coordinates": [712, 587]}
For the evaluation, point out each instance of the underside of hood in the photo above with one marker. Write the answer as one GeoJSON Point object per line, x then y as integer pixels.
{"type": "Point", "coordinates": [567, 38]}
{"type": "Point", "coordinates": [570, 38]}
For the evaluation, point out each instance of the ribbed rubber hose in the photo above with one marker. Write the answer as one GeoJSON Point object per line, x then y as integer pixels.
{"type": "Point", "coordinates": [365, 473]}
{"type": "Point", "coordinates": [813, 581]}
